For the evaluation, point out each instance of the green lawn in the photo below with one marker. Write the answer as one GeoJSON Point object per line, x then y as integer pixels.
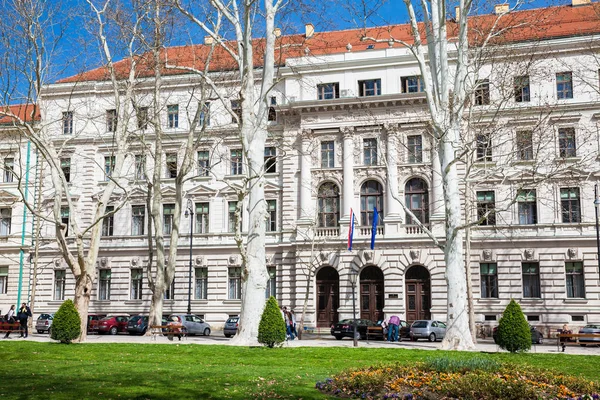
{"type": "Point", "coordinates": [31, 370]}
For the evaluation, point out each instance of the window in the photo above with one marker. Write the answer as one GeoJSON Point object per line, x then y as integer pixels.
{"type": "Point", "coordinates": [104, 285]}
{"type": "Point", "coordinates": [569, 205]}
{"type": "Point", "coordinates": [140, 167]}
{"type": "Point", "coordinates": [138, 220]}
{"type": "Point", "coordinates": [136, 283]}
{"type": "Point", "coordinates": [525, 145]}
{"type": "Point", "coordinates": [484, 148]}
{"type": "Point", "coordinates": [232, 220]}
{"type": "Point", "coordinates": [271, 223]}
{"type": "Point", "coordinates": [168, 211]}
{"type": "Point", "coordinates": [564, 85]}
{"type": "Point", "coordinates": [142, 117]}
{"type": "Point", "coordinates": [171, 164]}
{"type": "Point", "coordinates": [67, 122]}
{"type": "Point", "coordinates": [522, 90]}
{"type": "Point", "coordinates": [59, 284]}
{"type": "Point", "coordinates": [173, 116]}
{"type": "Point", "coordinates": [205, 114]}
{"type": "Point", "coordinates": [202, 218]}
{"type": "Point", "coordinates": [108, 222]}
{"type": "Point", "coordinates": [328, 91]}
{"type": "Point", "coordinates": [489, 280]}
{"type": "Point", "coordinates": [371, 196]}
{"type": "Point", "coordinates": [3, 280]}
{"type": "Point", "coordinates": [371, 87]}
{"type": "Point", "coordinates": [526, 200]}
{"type": "Point", "coordinates": [329, 205]}
{"type": "Point", "coordinates": [236, 162]}
{"type": "Point", "coordinates": [412, 84]}
{"type": "Point", "coordinates": [65, 166]}
{"type": "Point", "coordinates": [203, 163]}
{"type": "Point", "coordinates": [327, 154]}
{"type": "Point", "coordinates": [272, 115]}
{"type": "Point", "coordinates": [415, 148]}
{"type": "Point", "coordinates": [566, 143]}
{"type": "Point", "coordinates": [9, 170]}
{"type": "Point", "coordinates": [370, 151]}
{"type": "Point", "coordinates": [531, 280]}
{"type": "Point", "coordinates": [486, 206]}
{"type": "Point", "coordinates": [416, 197]}
{"type": "Point", "coordinates": [575, 283]}
{"type": "Point", "coordinates": [64, 219]}
{"type": "Point", "coordinates": [169, 293]}
{"type": "Point", "coordinates": [201, 284]}
{"type": "Point", "coordinates": [111, 120]}
{"type": "Point", "coordinates": [236, 109]}
{"type": "Point", "coordinates": [5, 221]}
{"type": "Point", "coordinates": [271, 283]}
{"type": "Point", "coordinates": [270, 160]}
{"type": "Point", "coordinates": [109, 167]}
{"type": "Point", "coordinates": [482, 93]}
{"type": "Point", "coordinates": [235, 283]}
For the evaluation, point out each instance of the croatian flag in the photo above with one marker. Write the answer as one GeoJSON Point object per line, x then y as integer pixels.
{"type": "Point", "coordinates": [374, 229]}
{"type": "Point", "coordinates": [351, 230]}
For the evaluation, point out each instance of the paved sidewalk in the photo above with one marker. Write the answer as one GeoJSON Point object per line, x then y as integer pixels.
{"type": "Point", "coordinates": [313, 340]}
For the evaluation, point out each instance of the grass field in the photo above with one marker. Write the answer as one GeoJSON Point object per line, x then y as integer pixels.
{"type": "Point", "coordinates": [32, 370]}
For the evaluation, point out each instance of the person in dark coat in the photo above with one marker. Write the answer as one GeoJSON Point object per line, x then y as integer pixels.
{"type": "Point", "coordinates": [23, 316]}
{"type": "Point", "coordinates": [10, 318]}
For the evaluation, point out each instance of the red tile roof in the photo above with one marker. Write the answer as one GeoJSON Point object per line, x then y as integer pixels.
{"type": "Point", "coordinates": [518, 26]}
{"type": "Point", "coordinates": [21, 111]}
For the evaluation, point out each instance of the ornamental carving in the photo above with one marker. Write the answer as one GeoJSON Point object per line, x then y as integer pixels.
{"type": "Point", "coordinates": [528, 254]}
{"type": "Point", "coordinates": [233, 260]}
{"type": "Point", "coordinates": [572, 253]}
{"type": "Point", "coordinates": [415, 254]}
{"type": "Point", "coordinates": [487, 255]}
{"type": "Point", "coordinates": [324, 257]}
{"type": "Point", "coordinates": [135, 261]}
{"type": "Point", "coordinates": [104, 261]}
{"type": "Point", "coordinates": [368, 256]}
{"type": "Point", "coordinates": [199, 260]}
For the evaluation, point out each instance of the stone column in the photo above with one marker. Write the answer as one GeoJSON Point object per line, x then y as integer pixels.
{"type": "Point", "coordinates": [306, 208]}
{"type": "Point", "coordinates": [348, 173]}
{"type": "Point", "coordinates": [393, 206]}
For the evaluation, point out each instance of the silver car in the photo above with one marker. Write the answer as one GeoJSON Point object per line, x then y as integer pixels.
{"type": "Point", "coordinates": [193, 324]}
{"type": "Point", "coordinates": [44, 323]}
{"type": "Point", "coordinates": [590, 329]}
{"type": "Point", "coordinates": [427, 329]}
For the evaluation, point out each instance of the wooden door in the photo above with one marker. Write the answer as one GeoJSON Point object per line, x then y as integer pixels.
{"type": "Point", "coordinates": [418, 300]}
{"type": "Point", "coordinates": [328, 297]}
{"type": "Point", "coordinates": [371, 294]}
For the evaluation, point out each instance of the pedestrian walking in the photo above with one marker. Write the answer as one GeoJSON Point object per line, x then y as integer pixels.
{"type": "Point", "coordinates": [23, 316]}
{"type": "Point", "coordinates": [10, 318]}
{"type": "Point", "coordinates": [293, 323]}
{"type": "Point", "coordinates": [393, 324]}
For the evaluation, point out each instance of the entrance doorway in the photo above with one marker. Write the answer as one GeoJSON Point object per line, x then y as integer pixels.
{"type": "Point", "coordinates": [371, 294]}
{"type": "Point", "coordinates": [328, 296]}
{"type": "Point", "coordinates": [418, 293]}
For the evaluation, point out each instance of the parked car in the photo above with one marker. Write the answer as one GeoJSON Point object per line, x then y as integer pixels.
{"type": "Point", "coordinates": [427, 329]}
{"type": "Point", "coordinates": [536, 336]}
{"type": "Point", "coordinates": [193, 324]}
{"type": "Point", "coordinates": [231, 326]}
{"type": "Point", "coordinates": [44, 323]}
{"type": "Point", "coordinates": [92, 325]}
{"type": "Point", "coordinates": [345, 328]}
{"type": "Point", "coordinates": [138, 324]}
{"type": "Point", "coordinates": [588, 329]}
{"type": "Point", "coordinates": [113, 324]}
{"type": "Point", "coordinates": [403, 331]}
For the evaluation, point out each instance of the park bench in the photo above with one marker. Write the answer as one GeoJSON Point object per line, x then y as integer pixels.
{"type": "Point", "coordinates": [567, 339]}
{"type": "Point", "coordinates": [166, 330]}
{"type": "Point", "coordinates": [6, 327]}
{"type": "Point", "coordinates": [375, 332]}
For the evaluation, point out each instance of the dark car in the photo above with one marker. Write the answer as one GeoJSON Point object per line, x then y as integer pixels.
{"type": "Point", "coordinates": [113, 324]}
{"type": "Point", "coordinates": [44, 323]}
{"type": "Point", "coordinates": [536, 336]}
{"type": "Point", "coordinates": [231, 326]}
{"type": "Point", "coordinates": [92, 325]}
{"type": "Point", "coordinates": [587, 330]}
{"type": "Point", "coordinates": [137, 325]}
{"type": "Point", "coordinates": [403, 331]}
{"type": "Point", "coordinates": [345, 328]}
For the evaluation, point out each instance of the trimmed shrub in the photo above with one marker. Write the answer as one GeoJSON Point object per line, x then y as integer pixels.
{"type": "Point", "coordinates": [514, 333]}
{"type": "Point", "coordinates": [66, 324]}
{"type": "Point", "coordinates": [271, 329]}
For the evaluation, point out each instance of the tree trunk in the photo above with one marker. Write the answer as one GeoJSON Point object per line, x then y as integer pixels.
{"type": "Point", "coordinates": [83, 289]}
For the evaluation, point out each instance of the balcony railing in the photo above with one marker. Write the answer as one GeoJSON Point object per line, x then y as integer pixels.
{"type": "Point", "coordinates": [415, 229]}
{"type": "Point", "coordinates": [328, 232]}
{"type": "Point", "coordinates": [366, 230]}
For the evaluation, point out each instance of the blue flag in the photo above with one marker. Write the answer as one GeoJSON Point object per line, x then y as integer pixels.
{"type": "Point", "coordinates": [374, 230]}
{"type": "Point", "coordinates": [351, 230]}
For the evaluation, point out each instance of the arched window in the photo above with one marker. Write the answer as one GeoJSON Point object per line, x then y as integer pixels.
{"type": "Point", "coordinates": [329, 205]}
{"type": "Point", "coordinates": [371, 196]}
{"type": "Point", "coordinates": [417, 200]}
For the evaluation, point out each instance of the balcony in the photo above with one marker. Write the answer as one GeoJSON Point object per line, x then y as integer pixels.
{"type": "Point", "coordinates": [367, 230]}
{"type": "Point", "coordinates": [415, 229]}
{"type": "Point", "coordinates": [333, 231]}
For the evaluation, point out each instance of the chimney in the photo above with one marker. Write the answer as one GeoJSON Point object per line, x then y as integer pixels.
{"type": "Point", "coordinates": [309, 30]}
{"type": "Point", "coordinates": [502, 8]}
{"type": "Point", "coordinates": [277, 32]}
{"type": "Point", "coordinates": [576, 3]}
{"type": "Point", "coordinates": [208, 40]}
{"type": "Point", "coordinates": [457, 13]}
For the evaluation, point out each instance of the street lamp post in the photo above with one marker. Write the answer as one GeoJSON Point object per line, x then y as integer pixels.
{"type": "Point", "coordinates": [353, 277]}
{"type": "Point", "coordinates": [597, 205]}
{"type": "Point", "coordinates": [190, 212]}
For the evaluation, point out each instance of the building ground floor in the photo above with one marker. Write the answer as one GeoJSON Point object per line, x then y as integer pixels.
{"type": "Point", "coordinates": [556, 281]}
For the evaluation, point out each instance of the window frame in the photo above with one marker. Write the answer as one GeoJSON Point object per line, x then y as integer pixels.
{"type": "Point", "coordinates": [415, 148]}
{"type": "Point", "coordinates": [567, 142]}
{"type": "Point", "coordinates": [570, 206]}
{"type": "Point", "coordinates": [371, 196]}
{"type": "Point", "coordinates": [421, 193]}
{"type": "Point", "coordinates": [270, 160]}
{"type": "Point", "coordinates": [564, 85]}
{"type": "Point", "coordinates": [202, 218]}
{"type": "Point", "coordinates": [67, 122]}
{"type": "Point", "coordinates": [271, 221]}
{"type": "Point", "coordinates": [412, 84]}
{"type": "Point", "coordinates": [141, 114]}
{"type": "Point", "coordinates": [524, 140]}
{"type": "Point", "coordinates": [328, 154]}
{"type": "Point", "coordinates": [328, 91]}
{"type": "Point", "coordinates": [522, 89]}
{"type": "Point", "coordinates": [203, 160]}
{"type": "Point", "coordinates": [59, 284]}
{"type": "Point", "coordinates": [140, 218]}
{"type": "Point", "coordinates": [369, 87]}
{"type": "Point", "coordinates": [236, 161]}
{"type": "Point", "coordinates": [484, 151]}
{"type": "Point", "coordinates": [136, 283]}
{"type": "Point", "coordinates": [485, 204]}
{"type": "Point", "coordinates": [328, 198]}
{"type": "Point", "coordinates": [527, 207]}
{"type": "Point", "coordinates": [489, 280]}
{"type": "Point", "coordinates": [234, 283]}
{"type": "Point", "coordinates": [5, 221]}
{"type": "Point", "coordinates": [231, 219]}
{"type": "Point", "coordinates": [112, 120]}
{"type": "Point", "coordinates": [65, 166]}
{"type": "Point", "coordinates": [9, 170]}
{"type": "Point", "coordinates": [370, 151]}
{"type": "Point", "coordinates": [533, 288]}
{"type": "Point", "coordinates": [168, 214]}
{"type": "Point", "coordinates": [109, 167]}
{"type": "Point", "coordinates": [4, 279]}
{"type": "Point", "coordinates": [104, 284]}
{"type": "Point", "coordinates": [575, 280]}
{"type": "Point", "coordinates": [481, 93]}
{"type": "Point", "coordinates": [171, 167]}
{"type": "Point", "coordinates": [173, 116]}
{"type": "Point", "coordinates": [271, 289]}
{"type": "Point", "coordinates": [201, 283]}
{"type": "Point", "coordinates": [108, 222]}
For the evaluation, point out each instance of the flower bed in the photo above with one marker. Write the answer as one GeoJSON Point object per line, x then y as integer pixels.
{"type": "Point", "coordinates": [476, 379]}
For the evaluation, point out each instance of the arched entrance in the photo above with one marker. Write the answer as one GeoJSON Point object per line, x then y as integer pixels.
{"type": "Point", "coordinates": [371, 293]}
{"type": "Point", "coordinates": [418, 293]}
{"type": "Point", "coordinates": [328, 296]}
